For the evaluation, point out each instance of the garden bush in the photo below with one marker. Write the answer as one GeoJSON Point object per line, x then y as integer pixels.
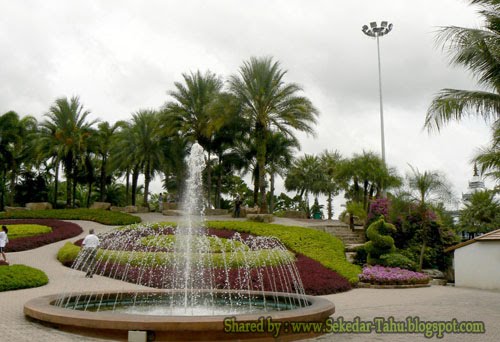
{"type": "Point", "coordinates": [24, 230]}
{"type": "Point", "coordinates": [380, 242]}
{"type": "Point", "coordinates": [113, 218]}
{"type": "Point", "coordinates": [68, 253]}
{"type": "Point", "coordinates": [21, 277]}
{"type": "Point", "coordinates": [398, 260]}
{"type": "Point", "coordinates": [320, 246]}
{"type": "Point", "coordinates": [380, 275]}
{"type": "Point", "coordinates": [60, 231]}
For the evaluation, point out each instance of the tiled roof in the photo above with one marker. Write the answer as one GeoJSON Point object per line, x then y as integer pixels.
{"type": "Point", "coordinates": [494, 235]}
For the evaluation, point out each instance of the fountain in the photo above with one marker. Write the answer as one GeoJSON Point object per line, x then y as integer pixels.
{"type": "Point", "coordinates": [200, 286]}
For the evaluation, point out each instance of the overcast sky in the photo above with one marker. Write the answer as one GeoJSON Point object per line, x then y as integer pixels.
{"type": "Point", "coordinates": [122, 56]}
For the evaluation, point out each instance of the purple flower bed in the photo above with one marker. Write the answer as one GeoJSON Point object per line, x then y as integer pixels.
{"type": "Point", "coordinates": [60, 231]}
{"type": "Point", "coordinates": [380, 275]}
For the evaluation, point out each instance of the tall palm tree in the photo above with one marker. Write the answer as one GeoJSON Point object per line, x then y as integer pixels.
{"type": "Point", "coordinates": [304, 178]}
{"type": "Point", "coordinates": [69, 131]}
{"type": "Point", "coordinates": [105, 139]}
{"type": "Point", "coordinates": [191, 111]}
{"type": "Point", "coordinates": [477, 49]}
{"type": "Point", "coordinates": [146, 136]}
{"type": "Point", "coordinates": [488, 157]}
{"type": "Point", "coordinates": [270, 103]}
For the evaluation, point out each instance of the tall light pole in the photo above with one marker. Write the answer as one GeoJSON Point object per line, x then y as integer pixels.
{"type": "Point", "coordinates": [377, 31]}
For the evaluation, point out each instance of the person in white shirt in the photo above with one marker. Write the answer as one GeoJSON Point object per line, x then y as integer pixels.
{"type": "Point", "coordinates": [90, 244]}
{"type": "Point", "coordinates": [4, 240]}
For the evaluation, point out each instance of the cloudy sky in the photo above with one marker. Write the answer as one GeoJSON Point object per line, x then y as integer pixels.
{"type": "Point", "coordinates": [122, 56]}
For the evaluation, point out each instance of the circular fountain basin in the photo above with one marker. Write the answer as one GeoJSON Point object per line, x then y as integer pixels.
{"type": "Point", "coordinates": [224, 323]}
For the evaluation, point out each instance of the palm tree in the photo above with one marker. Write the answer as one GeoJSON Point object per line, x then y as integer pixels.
{"type": "Point", "coordinates": [270, 103]}
{"type": "Point", "coordinates": [488, 157]}
{"type": "Point", "coordinates": [481, 213]}
{"type": "Point", "coordinates": [477, 49]}
{"type": "Point", "coordinates": [105, 139]}
{"type": "Point", "coordinates": [426, 188]}
{"type": "Point", "coordinates": [146, 136]}
{"type": "Point", "coordinates": [69, 132]}
{"type": "Point", "coordinates": [331, 164]}
{"type": "Point", "coordinates": [191, 111]}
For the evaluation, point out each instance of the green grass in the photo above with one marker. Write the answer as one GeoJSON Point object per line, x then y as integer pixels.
{"type": "Point", "coordinates": [17, 231]}
{"type": "Point", "coordinates": [21, 277]}
{"type": "Point", "coordinates": [320, 246]}
{"type": "Point", "coordinates": [112, 218]}
{"type": "Point", "coordinates": [266, 257]}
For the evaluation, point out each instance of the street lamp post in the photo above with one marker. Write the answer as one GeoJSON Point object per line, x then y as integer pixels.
{"type": "Point", "coordinates": [377, 31]}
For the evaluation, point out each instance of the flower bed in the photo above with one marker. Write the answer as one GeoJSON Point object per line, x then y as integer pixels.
{"type": "Point", "coordinates": [60, 231]}
{"type": "Point", "coordinates": [380, 275]}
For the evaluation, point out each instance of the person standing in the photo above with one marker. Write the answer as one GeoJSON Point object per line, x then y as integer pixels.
{"type": "Point", "coordinates": [160, 202]}
{"type": "Point", "coordinates": [237, 207]}
{"type": "Point", "coordinates": [4, 240]}
{"type": "Point", "coordinates": [90, 244]}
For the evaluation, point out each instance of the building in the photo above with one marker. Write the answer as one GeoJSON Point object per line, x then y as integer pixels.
{"type": "Point", "coordinates": [477, 262]}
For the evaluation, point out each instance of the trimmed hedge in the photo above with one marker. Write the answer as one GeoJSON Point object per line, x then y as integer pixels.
{"type": "Point", "coordinates": [320, 246]}
{"type": "Point", "coordinates": [21, 277]}
{"type": "Point", "coordinates": [60, 231]}
{"type": "Point", "coordinates": [111, 218]}
{"type": "Point", "coordinates": [17, 231]}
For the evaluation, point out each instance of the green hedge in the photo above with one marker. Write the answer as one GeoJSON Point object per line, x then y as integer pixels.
{"type": "Point", "coordinates": [68, 253]}
{"type": "Point", "coordinates": [21, 277]}
{"type": "Point", "coordinates": [112, 218]}
{"type": "Point", "coordinates": [17, 231]}
{"type": "Point", "coordinates": [320, 246]}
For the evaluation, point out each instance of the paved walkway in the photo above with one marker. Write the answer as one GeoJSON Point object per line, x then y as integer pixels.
{"type": "Point", "coordinates": [433, 303]}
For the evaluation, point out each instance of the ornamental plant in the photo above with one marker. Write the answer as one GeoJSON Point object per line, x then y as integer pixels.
{"type": "Point", "coordinates": [380, 275]}
{"type": "Point", "coordinates": [380, 242]}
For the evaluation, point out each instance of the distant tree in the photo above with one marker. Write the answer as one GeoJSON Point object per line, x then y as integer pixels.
{"type": "Point", "coordinates": [481, 213]}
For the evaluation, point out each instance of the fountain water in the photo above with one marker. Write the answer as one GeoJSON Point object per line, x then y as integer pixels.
{"type": "Point", "coordinates": [200, 279]}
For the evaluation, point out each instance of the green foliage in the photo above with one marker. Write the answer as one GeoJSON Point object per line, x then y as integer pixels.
{"type": "Point", "coordinates": [361, 255]}
{"type": "Point", "coordinates": [24, 230]}
{"type": "Point", "coordinates": [320, 246]}
{"type": "Point", "coordinates": [481, 213]}
{"type": "Point", "coordinates": [106, 217]}
{"type": "Point", "coordinates": [398, 260]}
{"type": "Point", "coordinates": [217, 245]}
{"type": "Point", "coordinates": [68, 253]}
{"type": "Point", "coordinates": [21, 277]}
{"type": "Point", "coordinates": [262, 218]}
{"type": "Point", "coordinates": [380, 242]}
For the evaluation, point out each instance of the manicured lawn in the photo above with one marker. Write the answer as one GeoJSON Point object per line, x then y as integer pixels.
{"type": "Point", "coordinates": [21, 277]}
{"type": "Point", "coordinates": [112, 218]}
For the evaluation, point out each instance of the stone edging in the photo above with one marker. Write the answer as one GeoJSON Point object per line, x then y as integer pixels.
{"type": "Point", "coordinates": [395, 286]}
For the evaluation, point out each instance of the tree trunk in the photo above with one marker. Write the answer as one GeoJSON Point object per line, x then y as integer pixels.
{"type": "Point", "coordinates": [135, 177]}
{"type": "Point", "coordinates": [329, 201]}
{"type": "Point", "coordinates": [147, 180]}
{"type": "Point", "coordinates": [351, 221]}
{"type": "Point", "coordinates": [12, 185]}
{"type": "Point", "coordinates": [219, 182]}
{"type": "Point", "coordinates": [89, 194]}
{"type": "Point", "coordinates": [127, 186]}
{"type": "Point", "coordinates": [103, 179]}
{"type": "Point", "coordinates": [421, 258]}
{"type": "Point", "coordinates": [68, 190]}
{"type": "Point", "coordinates": [56, 184]}
{"type": "Point", "coordinates": [271, 193]}
{"type": "Point", "coordinates": [2, 189]}
{"type": "Point", "coordinates": [74, 191]}
{"type": "Point", "coordinates": [209, 182]}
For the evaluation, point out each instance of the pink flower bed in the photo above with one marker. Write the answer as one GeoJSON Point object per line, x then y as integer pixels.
{"type": "Point", "coordinates": [380, 275]}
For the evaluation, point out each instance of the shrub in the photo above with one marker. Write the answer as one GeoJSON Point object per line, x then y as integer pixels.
{"type": "Point", "coordinates": [264, 218]}
{"type": "Point", "coordinates": [381, 275]}
{"type": "Point", "coordinates": [21, 277]}
{"type": "Point", "coordinates": [320, 246]}
{"type": "Point", "coordinates": [24, 230]}
{"type": "Point", "coordinates": [60, 231]}
{"type": "Point", "coordinates": [113, 218]}
{"type": "Point", "coordinates": [398, 260]}
{"type": "Point", "coordinates": [361, 255]}
{"type": "Point", "coordinates": [68, 253]}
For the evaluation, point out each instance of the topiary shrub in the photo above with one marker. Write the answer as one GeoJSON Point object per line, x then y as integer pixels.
{"type": "Point", "coordinates": [380, 242]}
{"type": "Point", "coordinates": [21, 277]}
{"type": "Point", "coordinates": [361, 255]}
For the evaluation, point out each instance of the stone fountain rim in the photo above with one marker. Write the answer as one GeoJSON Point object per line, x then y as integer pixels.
{"type": "Point", "coordinates": [41, 309]}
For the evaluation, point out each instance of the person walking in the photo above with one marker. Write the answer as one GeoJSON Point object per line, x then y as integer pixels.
{"type": "Point", "coordinates": [90, 244]}
{"type": "Point", "coordinates": [4, 240]}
